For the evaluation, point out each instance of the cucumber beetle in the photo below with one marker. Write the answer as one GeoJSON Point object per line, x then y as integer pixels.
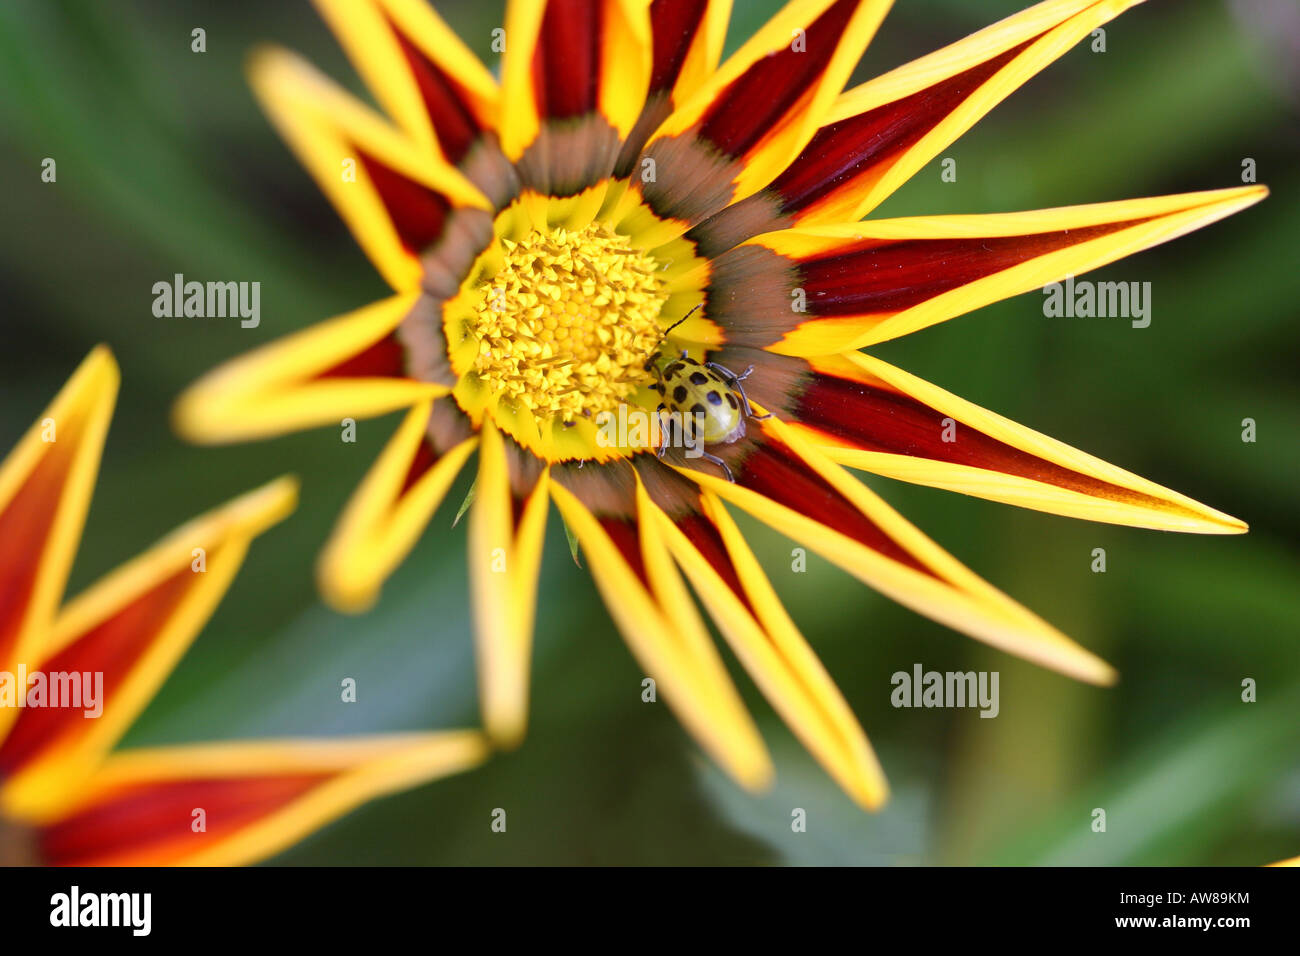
{"type": "Point", "coordinates": [707, 398]}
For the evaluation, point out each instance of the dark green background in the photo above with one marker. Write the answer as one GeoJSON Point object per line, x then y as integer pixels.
{"type": "Point", "coordinates": [166, 165]}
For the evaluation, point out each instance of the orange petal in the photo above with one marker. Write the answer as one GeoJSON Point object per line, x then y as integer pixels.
{"type": "Point", "coordinates": [230, 804]}
{"type": "Point", "coordinates": [124, 635]}
{"type": "Point", "coordinates": [46, 484]}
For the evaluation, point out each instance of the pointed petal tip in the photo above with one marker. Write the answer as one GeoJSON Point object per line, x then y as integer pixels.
{"type": "Point", "coordinates": [506, 731]}
{"type": "Point", "coordinates": [196, 414]}
{"type": "Point", "coordinates": [274, 500]}
{"type": "Point", "coordinates": [103, 359]}
{"type": "Point", "coordinates": [1099, 673]}
{"type": "Point", "coordinates": [342, 591]}
{"type": "Point", "coordinates": [1235, 198]}
{"type": "Point", "coordinates": [99, 373]}
{"type": "Point", "coordinates": [871, 796]}
{"type": "Point", "coordinates": [756, 774]}
{"type": "Point", "coordinates": [264, 61]}
{"type": "Point", "coordinates": [1231, 525]}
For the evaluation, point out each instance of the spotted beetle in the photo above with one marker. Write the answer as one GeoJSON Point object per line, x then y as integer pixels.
{"type": "Point", "coordinates": [707, 398]}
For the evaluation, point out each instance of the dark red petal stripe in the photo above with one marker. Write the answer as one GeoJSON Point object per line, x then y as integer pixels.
{"type": "Point", "coordinates": [874, 417]}
{"type": "Point", "coordinates": [843, 154]}
{"type": "Point", "coordinates": [418, 213]}
{"type": "Point", "coordinates": [25, 525]}
{"type": "Point", "coordinates": [112, 648]}
{"type": "Point", "coordinates": [749, 294]}
{"type": "Point", "coordinates": [845, 157]}
{"type": "Point", "coordinates": [466, 143]}
{"type": "Point", "coordinates": [759, 99]}
{"type": "Point", "coordinates": [766, 465]}
{"type": "Point", "coordinates": [699, 166]}
{"type": "Point", "coordinates": [608, 491]}
{"type": "Point", "coordinates": [679, 499]}
{"type": "Point", "coordinates": [873, 277]}
{"type": "Point", "coordinates": [383, 359]}
{"type": "Point", "coordinates": [623, 532]}
{"type": "Point", "coordinates": [425, 458]}
{"type": "Point", "coordinates": [446, 101]}
{"type": "Point", "coordinates": [159, 816]}
{"type": "Point", "coordinates": [566, 64]}
{"type": "Point", "coordinates": [673, 25]}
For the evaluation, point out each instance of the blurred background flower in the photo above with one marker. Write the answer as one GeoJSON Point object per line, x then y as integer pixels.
{"type": "Point", "coordinates": [165, 165]}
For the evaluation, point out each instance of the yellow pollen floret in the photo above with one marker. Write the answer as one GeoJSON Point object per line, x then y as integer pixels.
{"type": "Point", "coordinates": [566, 324]}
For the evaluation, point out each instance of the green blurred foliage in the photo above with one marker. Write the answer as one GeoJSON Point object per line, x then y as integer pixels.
{"type": "Point", "coordinates": [166, 165]}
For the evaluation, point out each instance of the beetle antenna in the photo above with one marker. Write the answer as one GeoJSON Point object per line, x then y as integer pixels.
{"type": "Point", "coordinates": [664, 334]}
{"type": "Point", "coordinates": [694, 309]}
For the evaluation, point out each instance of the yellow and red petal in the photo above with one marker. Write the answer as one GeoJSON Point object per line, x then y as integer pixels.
{"type": "Point", "coordinates": [877, 135]}
{"type": "Point", "coordinates": [351, 366]}
{"type": "Point", "coordinates": [507, 527]}
{"type": "Point", "coordinates": [686, 38]}
{"type": "Point", "coordinates": [647, 600]}
{"type": "Point", "coordinates": [829, 289]}
{"type": "Point", "coordinates": [574, 80]}
{"type": "Point", "coordinates": [46, 484]}
{"type": "Point", "coordinates": [867, 414]}
{"type": "Point", "coordinates": [429, 82]}
{"type": "Point", "coordinates": [723, 571]}
{"type": "Point", "coordinates": [754, 115]}
{"type": "Point", "coordinates": [403, 202]}
{"type": "Point", "coordinates": [128, 630]}
{"type": "Point", "coordinates": [388, 512]}
{"type": "Point", "coordinates": [230, 804]}
{"type": "Point", "coordinates": [788, 484]}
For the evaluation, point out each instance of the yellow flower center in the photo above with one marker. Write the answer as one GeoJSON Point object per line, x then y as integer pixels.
{"type": "Point", "coordinates": [565, 325]}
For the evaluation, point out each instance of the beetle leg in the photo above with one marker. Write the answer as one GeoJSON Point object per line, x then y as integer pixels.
{"type": "Point", "coordinates": [663, 432]}
{"type": "Point", "coordinates": [721, 464]}
{"type": "Point", "coordinates": [733, 381]}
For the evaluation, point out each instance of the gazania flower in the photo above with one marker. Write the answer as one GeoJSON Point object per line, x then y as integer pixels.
{"type": "Point", "coordinates": [74, 677]}
{"type": "Point", "coordinates": [545, 235]}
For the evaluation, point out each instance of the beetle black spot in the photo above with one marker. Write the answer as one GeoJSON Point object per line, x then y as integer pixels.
{"type": "Point", "coordinates": [697, 409]}
{"type": "Point", "coordinates": [672, 370]}
{"type": "Point", "coordinates": [714, 398]}
{"type": "Point", "coordinates": [679, 394]}
{"type": "Point", "coordinates": [731, 400]}
{"type": "Point", "coordinates": [699, 378]}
